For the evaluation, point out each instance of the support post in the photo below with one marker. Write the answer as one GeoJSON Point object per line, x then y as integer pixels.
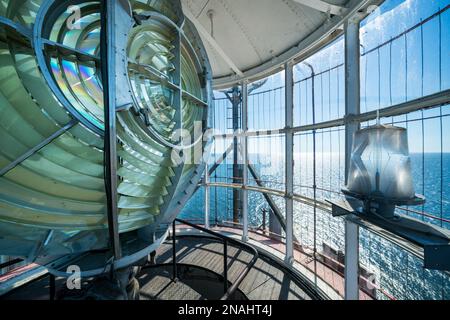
{"type": "Point", "coordinates": [264, 221]}
{"type": "Point", "coordinates": [109, 66]}
{"type": "Point", "coordinates": [244, 143]}
{"type": "Point", "coordinates": [207, 197]}
{"type": "Point", "coordinates": [352, 108]}
{"type": "Point", "coordinates": [236, 100]}
{"type": "Point", "coordinates": [174, 252]}
{"type": "Point", "coordinates": [52, 287]}
{"type": "Point", "coordinates": [289, 196]}
{"type": "Point", "coordinates": [314, 135]}
{"type": "Point", "coordinates": [225, 266]}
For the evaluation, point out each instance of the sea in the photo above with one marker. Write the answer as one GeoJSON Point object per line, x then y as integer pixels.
{"type": "Point", "coordinates": [396, 272]}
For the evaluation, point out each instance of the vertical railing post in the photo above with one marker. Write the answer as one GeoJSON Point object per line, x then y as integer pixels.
{"type": "Point", "coordinates": [207, 197]}
{"type": "Point", "coordinates": [264, 220]}
{"type": "Point", "coordinates": [225, 266]}
{"type": "Point", "coordinates": [352, 108]}
{"type": "Point", "coordinates": [289, 165]}
{"type": "Point", "coordinates": [174, 252]}
{"type": "Point", "coordinates": [314, 136]}
{"type": "Point", "coordinates": [236, 100]}
{"type": "Point", "coordinates": [244, 143]}
{"type": "Point", "coordinates": [52, 287]}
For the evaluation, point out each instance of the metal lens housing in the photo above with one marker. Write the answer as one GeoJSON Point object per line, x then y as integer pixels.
{"type": "Point", "coordinates": [52, 182]}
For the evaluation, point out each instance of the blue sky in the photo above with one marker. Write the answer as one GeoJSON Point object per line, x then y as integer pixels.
{"type": "Point", "coordinates": [389, 76]}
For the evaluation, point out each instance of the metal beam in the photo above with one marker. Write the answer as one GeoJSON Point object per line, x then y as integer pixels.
{"type": "Point", "coordinates": [351, 260]}
{"type": "Point", "coordinates": [221, 159]}
{"type": "Point", "coordinates": [258, 181]}
{"type": "Point", "coordinates": [244, 153]}
{"type": "Point", "coordinates": [206, 36]}
{"type": "Point", "coordinates": [268, 197]}
{"type": "Point", "coordinates": [217, 164]}
{"type": "Point", "coordinates": [314, 136]}
{"type": "Point", "coordinates": [352, 108]}
{"type": "Point", "coordinates": [237, 170]}
{"type": "Point", "coordinates": [59, 49]}
{"type": "Point", "coordinates": [206, 186]}
{"type": "Point", "coordinates": [323, 6]}
{"type": "Point", "coordinates": [430, 101]}
{"type": "Point", "coordinates": [289, 165]}
{"type": "Point", "coordinates": [37, 148]}
{"type": "Point", "coordinates": [112, 37]}
{"type": "Point", "coordinates": [153, 74]}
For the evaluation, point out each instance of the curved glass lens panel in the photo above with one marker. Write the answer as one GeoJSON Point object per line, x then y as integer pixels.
{"type": "Point", "coordinates": [23, 12]}
{"type": "Point", "coordinates": [52, 185]}
{"type": "Point", "coordinates": [52, 201]}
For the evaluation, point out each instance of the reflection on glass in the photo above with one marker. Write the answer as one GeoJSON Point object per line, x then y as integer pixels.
{"type": "Point", "coordinates": [54, 202]}
{"type": "Point", "coordinates": [22, 12]}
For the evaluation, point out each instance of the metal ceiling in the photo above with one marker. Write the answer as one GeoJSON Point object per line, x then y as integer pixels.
{"type": "Point", "coordinates": [249, 39]}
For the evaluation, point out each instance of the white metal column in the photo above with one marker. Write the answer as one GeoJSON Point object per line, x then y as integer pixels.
{"type": "Point", "coordinates": [244, 144]}
{"type": "Point", "coordinates": [352, 99]}
{"type": "Point", "coordinates": [289, 96]}
{"type": "Point", "coordinates": [206, 186]}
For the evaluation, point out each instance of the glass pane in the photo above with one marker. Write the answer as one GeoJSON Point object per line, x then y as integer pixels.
{"type": "Point", "coordinates": [29, 113]}
{"type": "Point", "coordinates": [56, 198]}
{"type": "Point", "coordinates": [23, 12]}
{"type": "Point", "coordinates": [194, 211]}
{"type": "Point", "coordinates": [266, 103]}
{"type": "Point", "coordinates": [267, 157]}
{"type": "Point", "coordinates": [319, 80]}
{"type": "Point", "coordinates": [403, 47]}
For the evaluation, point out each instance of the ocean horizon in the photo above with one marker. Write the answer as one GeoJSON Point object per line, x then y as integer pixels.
{"type": "Point", "coordinates": [397, 272]}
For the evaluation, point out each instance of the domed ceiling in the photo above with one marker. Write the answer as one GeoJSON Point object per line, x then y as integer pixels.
{"type": "Point", "coordinates": [249, 38]}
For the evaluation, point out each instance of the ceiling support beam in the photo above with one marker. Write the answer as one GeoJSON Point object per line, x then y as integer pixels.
{"type": "Point", "coordinates": [323, 6]}
{"type": "Point", "coordinates": [206, 36]}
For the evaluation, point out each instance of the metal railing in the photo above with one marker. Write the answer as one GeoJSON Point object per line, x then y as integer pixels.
{"type": "Point", "coordinates": [10, 263]}
{"type": "Point", "coordinates": [326, 261]}
{"type": "Point", "coordinates": [228, 291]}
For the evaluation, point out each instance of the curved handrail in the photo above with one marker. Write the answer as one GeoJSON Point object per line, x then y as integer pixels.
{"type": "Point", "coordinates": [236, 242]}
{"type": "Point", "coordinates": [10, 263]}
{"type": "Point", "coordinates": [310, 201]}
{"type": "Point", "coordinates": [234, 225]}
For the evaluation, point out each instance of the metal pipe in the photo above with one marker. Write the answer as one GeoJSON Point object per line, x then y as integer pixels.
{"type": "Point", "coordinates": [314, 133]}
{"type": "Point", "coordinates": [207, 197]}
{"type": "Point", "coordinates": [289, 165]}
{"type": "Point", "coordinates": [225, 266]}
{"type": "Point", "coordinates": [174, 253]}
{"type": "Point", "coordinates": [108, 61]}
{"type": "Point", "coordinates": [352, 97]}
{"type": "Point", "coordinates": [244, 153]}
{"type": "Point", "coordinates": [37, 148]}
{"type": "Point", "coordinates": [52, 287]}
{"type": "Point", "coordinates": [10, 263]}
{"type": "Point", "coordinates": [236, 242]}
{"type": "Point", "coordinates": [236, 99]}
{"type": "Point", "coordinates": [264, 220]}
